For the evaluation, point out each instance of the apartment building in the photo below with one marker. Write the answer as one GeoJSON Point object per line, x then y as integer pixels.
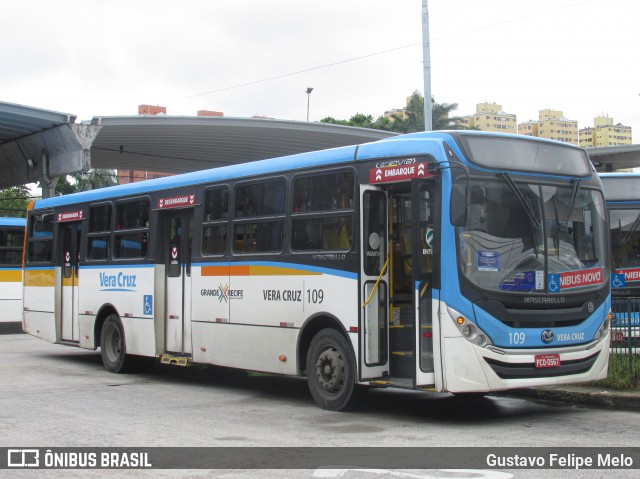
{"type": "Point", "coordinates": [605, 133]}
{"type": "Point", "coordinates": [491, 117]}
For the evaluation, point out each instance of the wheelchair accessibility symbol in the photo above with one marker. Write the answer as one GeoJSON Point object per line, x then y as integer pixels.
{"type": "Point", "coordinates": [618, 280]}
{"type": "Point", "coordinates": [553, 285]}
{"type": "Point", "coordinates": [148, 304]}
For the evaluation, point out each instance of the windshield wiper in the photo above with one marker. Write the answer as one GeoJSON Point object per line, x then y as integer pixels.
{"type": "Point", "coordinates": [526, 206]}
{"type": "Point", "coordinates": [535, 222]}
{"type": "Point", "coordinates": [567, 216]}
{"type": "Point", "coordinates": [572, 202]}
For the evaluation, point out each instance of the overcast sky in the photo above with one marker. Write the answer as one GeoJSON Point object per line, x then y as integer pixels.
{"type": "Point", "coordinates": [257, 57]}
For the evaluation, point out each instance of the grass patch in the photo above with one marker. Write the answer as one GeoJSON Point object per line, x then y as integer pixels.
{"type": "Point", "coordinates": [623, 374]}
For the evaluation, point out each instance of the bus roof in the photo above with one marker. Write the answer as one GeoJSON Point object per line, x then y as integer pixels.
{"type": "Point", "coordinates": [275, 165]}
{"type": "Point", "coordinates": [5, 221]}
{"type": "Point", "coordinates": [421, 143]}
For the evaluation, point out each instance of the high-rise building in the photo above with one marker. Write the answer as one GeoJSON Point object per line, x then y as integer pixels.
{"type": "Point", "coordinates": [490, 117]}
{"type": "Point", "coordinates": [605, 133]}
{"type": "Point", "coordinates": [528, 128]}
{"type": "Point", "coordinates": [552, 125]}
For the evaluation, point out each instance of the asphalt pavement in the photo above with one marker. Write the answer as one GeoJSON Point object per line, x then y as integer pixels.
{"type": "Point", "coordinates": [568, 394]}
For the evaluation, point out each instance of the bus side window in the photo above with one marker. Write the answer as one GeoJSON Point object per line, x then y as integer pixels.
{"type": "Point", "coordinates": [99, 232]}
{"type": "Point", "coordinates": [131, 215]}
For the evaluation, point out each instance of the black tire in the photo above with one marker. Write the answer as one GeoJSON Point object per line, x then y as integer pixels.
{"type": "Point", "coordinates": [331, 371]}
{"type": "Point", "coordinates": [113, 346]}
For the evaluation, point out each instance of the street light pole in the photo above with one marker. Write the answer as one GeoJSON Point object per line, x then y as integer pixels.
{"type": "Point", "coordinates": [426, 58]}
{"type": "Point", "coordinates": [309, 90]}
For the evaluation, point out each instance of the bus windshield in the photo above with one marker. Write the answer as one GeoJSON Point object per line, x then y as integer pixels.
{"type": "Point", "coordinates": [530, 237]}
{"type": "Point", "coordinates": [625, 237]}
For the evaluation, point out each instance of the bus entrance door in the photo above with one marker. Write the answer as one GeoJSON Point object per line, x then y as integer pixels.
{"type": "Point", "coordinates": [69, 290]}
{"type": "Point", "coordinates": [374, 289]}
{"type": "Point", "coordinates": [424, 241]}
{"type": "Point", "coordinates": [179, 235]}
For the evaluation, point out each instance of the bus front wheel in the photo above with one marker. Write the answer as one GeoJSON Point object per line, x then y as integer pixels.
{"type": "Point", "coordinates": [331, 371]}
{"type": "Point", "coordinates": [112, 345]}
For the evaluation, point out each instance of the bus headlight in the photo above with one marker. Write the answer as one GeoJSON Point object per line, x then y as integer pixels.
{"type": "Point", "coordinates": [470, 331]}
{"type": "Point", "coordinates": [603, 330]}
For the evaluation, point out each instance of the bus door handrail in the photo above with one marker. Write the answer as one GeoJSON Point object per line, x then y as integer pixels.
{"type": "Point", "coordinates": [384, 269]}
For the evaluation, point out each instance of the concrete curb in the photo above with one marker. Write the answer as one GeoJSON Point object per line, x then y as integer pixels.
{"type": "Point", "coordinates": [588, 396]}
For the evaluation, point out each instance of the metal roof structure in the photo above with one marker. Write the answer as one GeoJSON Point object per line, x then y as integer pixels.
{"type": "Point", "coordinates": [182, 144]}
{"type": "Point", "coordinates": [40, 145]}
{"type": "Point", "coordinates": [612, 158]}
{"type": "Point", "coordinates": [17, 121]}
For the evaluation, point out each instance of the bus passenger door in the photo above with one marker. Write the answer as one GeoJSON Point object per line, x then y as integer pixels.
{"type": "Point", "coordinates": [69, 291]}
{"type": "Point", "coordinates": [179, 235]}
{"type": "Point", "coordinates": [424, 232]}
{"type": "Point", "coordinates": [374, 286]}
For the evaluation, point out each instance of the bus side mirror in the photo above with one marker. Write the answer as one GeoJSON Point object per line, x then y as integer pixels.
{"type": "Point", "coordinates": [458, 206]}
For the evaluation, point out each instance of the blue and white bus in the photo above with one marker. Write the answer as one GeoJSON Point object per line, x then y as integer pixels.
{"type": "Point", "coordinates": [622, 195]}
{"type": "Point", "coordinates": [11, 244]}
{"type": "Point", "coordinates": [465, 262]}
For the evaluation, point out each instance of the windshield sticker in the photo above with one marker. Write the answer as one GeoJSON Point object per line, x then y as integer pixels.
{"type": "Point", "coordinates": [488, 261]}
{"type": "Point", "coordinates": [631, 274]}
{"type": "Point", "coordinates": [574, 279]}
{"type": "Point", "coordinates": [524, 281]}
{"type": "Point", "coordinates": [618, 281]}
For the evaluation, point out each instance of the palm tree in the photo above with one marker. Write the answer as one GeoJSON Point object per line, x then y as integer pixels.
{"type": "Point", "coordinates": [414, 116]}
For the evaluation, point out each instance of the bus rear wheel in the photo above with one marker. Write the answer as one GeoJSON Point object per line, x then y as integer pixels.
{"type": "Point", "coordinates": [112, 346]}
{"type": "Point", "coordinates": [331, 371]}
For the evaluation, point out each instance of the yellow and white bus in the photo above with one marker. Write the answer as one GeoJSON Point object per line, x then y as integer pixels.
{"type": "Point", "coordinates": [11, 244]}
{"type": "Point", "coordinates": [448, 261]}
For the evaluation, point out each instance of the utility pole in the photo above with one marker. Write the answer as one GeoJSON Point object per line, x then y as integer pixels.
{"type": "Point", "coordinates": [426, 59]}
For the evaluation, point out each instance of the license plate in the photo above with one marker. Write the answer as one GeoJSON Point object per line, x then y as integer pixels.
{"type": "Point", "coordinates": [617, 336]}
{"type": "Point", "coordinates": [547, 360]}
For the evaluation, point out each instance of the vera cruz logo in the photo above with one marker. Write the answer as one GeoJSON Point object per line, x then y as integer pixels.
{"type": "Point", "coordinates": [547, 336]}
{"type": "Point", "coordinates": [117, 282]}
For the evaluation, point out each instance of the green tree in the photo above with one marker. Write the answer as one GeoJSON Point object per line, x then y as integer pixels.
{"type": "Point", "coordinates": [85, 180]}
{"type": "Point", "coordinates": [412, 121]}
{"type": "Point", "coordinates": [64, 186]}
{"type": "Point", "coordinates": [95, 179]}
{"type": "Point", "coordinates": [14, 201]}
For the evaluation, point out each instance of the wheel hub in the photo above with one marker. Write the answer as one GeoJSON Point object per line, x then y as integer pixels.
{"type": "Point", "coordinates": [330, 370]}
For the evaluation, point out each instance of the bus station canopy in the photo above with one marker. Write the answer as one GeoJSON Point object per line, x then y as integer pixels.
{"type": "Point", "coordinates": [40, 145]}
